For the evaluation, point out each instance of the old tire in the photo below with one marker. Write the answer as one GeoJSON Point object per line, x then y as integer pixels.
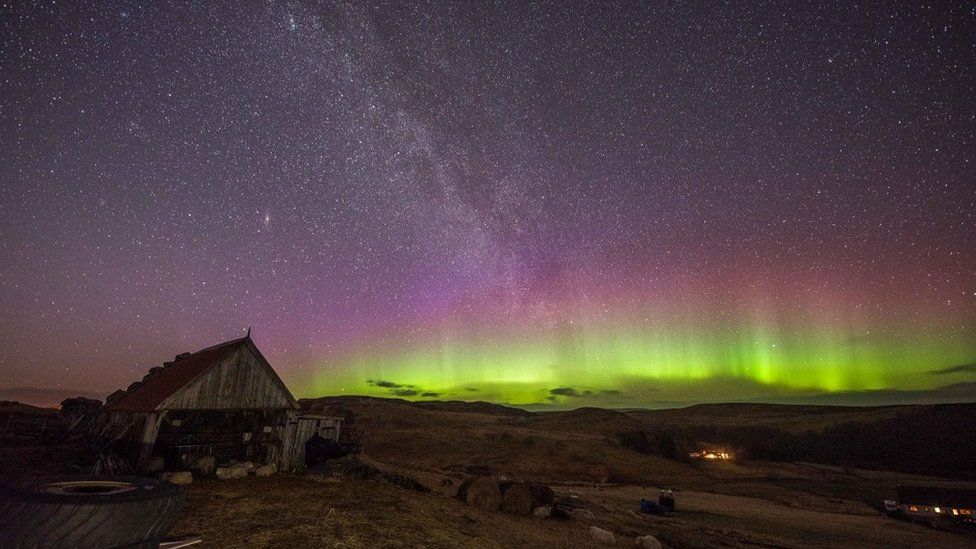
{"type": "Point", "coordinates": [88, 511]}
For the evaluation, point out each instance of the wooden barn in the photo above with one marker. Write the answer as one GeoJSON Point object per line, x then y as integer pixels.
{"type": "Point", "coordinates": [224, 401]}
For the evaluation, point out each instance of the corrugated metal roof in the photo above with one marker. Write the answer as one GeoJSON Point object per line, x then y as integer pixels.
{"type": "Point", "coordinates": [173, 377]}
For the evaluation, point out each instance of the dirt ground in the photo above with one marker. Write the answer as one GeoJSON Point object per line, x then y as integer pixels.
{"type": "Point", "coordinates": [308, 511]}
{"type": "Point", "coordinates": [293, 511]}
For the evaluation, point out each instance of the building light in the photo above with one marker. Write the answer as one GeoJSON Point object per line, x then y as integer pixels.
{"type": "Point", "coordinates": [955, 512]}
{"type": "Point", "coordinates": [938, 509]}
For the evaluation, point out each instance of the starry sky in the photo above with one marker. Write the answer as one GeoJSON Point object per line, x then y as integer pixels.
{"type": "Point", "coordinates": [540, 204]}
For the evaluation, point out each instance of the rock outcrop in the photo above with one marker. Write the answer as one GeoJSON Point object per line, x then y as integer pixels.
{"type": "Point", "coordinates": [602, 536]}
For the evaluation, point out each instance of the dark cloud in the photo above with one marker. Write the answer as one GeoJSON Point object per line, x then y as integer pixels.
{"type": "Point", "coordinates": [401, 389]}
{"type": "Point", "coordinates": [383, 383]}
{"type": "Point", "coordinates": [958, 369]}
{"type": "Point", "coordinates": [578, 393]}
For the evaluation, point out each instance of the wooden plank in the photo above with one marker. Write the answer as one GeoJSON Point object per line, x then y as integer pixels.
{"type": "Point", "coordinates": [148, 439]}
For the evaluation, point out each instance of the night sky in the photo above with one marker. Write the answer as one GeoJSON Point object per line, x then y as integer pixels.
{"type": "Point", "coordinates": [566, 203]}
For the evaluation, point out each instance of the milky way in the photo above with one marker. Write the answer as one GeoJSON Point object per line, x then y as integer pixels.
{"type": "Point", "coordinates": [559, 203]}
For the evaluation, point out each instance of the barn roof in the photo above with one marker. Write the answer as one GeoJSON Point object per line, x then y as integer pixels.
{"type": "Point", "coordinates": [157, 387]}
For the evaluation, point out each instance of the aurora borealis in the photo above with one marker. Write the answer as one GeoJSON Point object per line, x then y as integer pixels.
{"type": "Point", "coordinates": [545, 204]}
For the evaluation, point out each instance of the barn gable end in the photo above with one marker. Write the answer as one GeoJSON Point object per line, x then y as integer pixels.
{"type": "Point", "coordinates": [241, 379]}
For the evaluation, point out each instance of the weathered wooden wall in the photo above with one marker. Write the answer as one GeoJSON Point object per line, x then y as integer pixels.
{"type": "Point", "coordinates": [297, 432]}
{"type": "Point", "coordinates": [240, 381]}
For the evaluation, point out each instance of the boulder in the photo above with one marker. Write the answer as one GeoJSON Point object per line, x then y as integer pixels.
{"type": "Point", "coordinates": [521, 498]}
{"type": "Point", "coordinates": [648, 542]}
{"type": "Point", "coordinates": [205, 465]}
{"type": "Point", "coordinates": [179, 477]}
{"type": "Point", "coordinates": [234, 471]}
{"type": "Point", "coordinates": [542, 511]}
{"type": "Point", "coordinates": [482, 492]}
{"type": "Point", "coordinates": [602, 536]}
{"type": "Point", "coordinates": [517, 500]}
{"type": "Point", "coordinates": [266, 470]}
{"type": "Point", "coordinates": [250, 466]}
{"type": "Point", "coordinates": [156, 464]}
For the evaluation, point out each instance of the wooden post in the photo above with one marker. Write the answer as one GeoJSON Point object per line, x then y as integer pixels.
{"type": "Point", "coordinates": [288, 441]}
{"type": "Point", "coordinates": [148, 440]}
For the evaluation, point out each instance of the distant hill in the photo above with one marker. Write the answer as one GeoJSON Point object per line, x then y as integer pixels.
{"type": "Point", "coordinates": [600, 444]}
{"type": "Point", "coordinates": [933, 439]}
{"type": "Point", "coordinates": [788, 417]}
{"type": "Point", "coordinates": [590, 420]}
{"type": "Point", "coordinates": [479, 437]}
{"type": "Point", "coordinates": [14, 407]}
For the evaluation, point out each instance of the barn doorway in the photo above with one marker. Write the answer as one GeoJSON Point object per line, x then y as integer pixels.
{"type": "Point", "coordinates": [227, 435]}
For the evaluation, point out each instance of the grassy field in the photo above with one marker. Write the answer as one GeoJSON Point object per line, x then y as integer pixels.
{"type": "Point", "coordinates": [743, 504]}
{"type": "Point", "coordinates": [308, 511]}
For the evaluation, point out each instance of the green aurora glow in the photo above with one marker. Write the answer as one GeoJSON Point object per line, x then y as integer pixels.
{"type": "Point", "coordinates": [625, 364]}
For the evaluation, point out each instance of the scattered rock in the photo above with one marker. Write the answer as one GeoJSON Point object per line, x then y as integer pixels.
{"type": "Point", "coordinates": [482, 492]}
{"type": "Point", "coordinates": [648, 542]}
{"type": "Point", "coordinates": [179, 477]}
{"type": "Point", "coordinates": [542, 511]}
{"type": "Point", "coordinates": [205, 465]}
{"type": "Point", "coordinates": [582, 513]}
{"type": "Point", "coordinates": [234, 471]}
{"type": "Point", "coordinates": [351, 467]}
{"type": "Point", "coordinates": [405, 482]}
{"type": "Point", "coordinates": [266, 470]}
{"type": "Point", "coordinates": [602, 536]}
{"type": "Point", "coordinates": [156, 464]}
